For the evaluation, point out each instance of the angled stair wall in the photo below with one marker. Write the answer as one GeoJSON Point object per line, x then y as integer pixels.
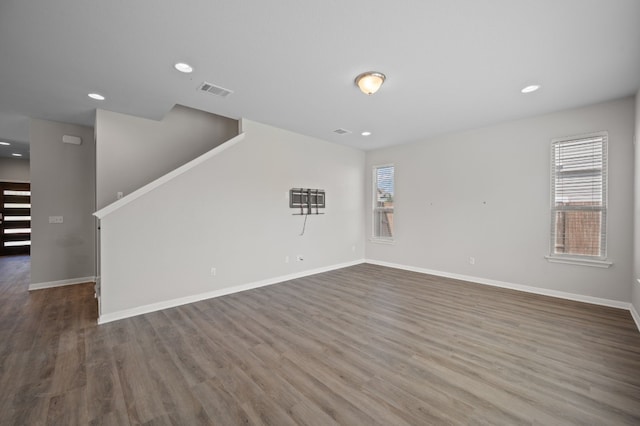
{"type": "Point", "coordinates": [133, 151]}
{"type": "Point", "coordinates": [222, 223]}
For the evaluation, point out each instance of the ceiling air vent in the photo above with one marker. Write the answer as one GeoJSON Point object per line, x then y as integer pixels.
{"type": "Point", "coordinates": [341, 131]}
{"type": "Point", "coordinates": [214, 90]}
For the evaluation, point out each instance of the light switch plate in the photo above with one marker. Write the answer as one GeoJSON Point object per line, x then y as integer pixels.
{"type": "Point", "coordinates": [55, 219]}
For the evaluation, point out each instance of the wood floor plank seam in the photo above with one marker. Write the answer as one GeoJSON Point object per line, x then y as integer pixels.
{"type": "Point", "coordinates": [362, 345]}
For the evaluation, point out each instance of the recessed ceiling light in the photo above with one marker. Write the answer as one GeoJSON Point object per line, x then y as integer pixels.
{"type": "Point", "coordinates": [16, 155]}
{"type": "Point", "coordinates": [183, 67]}
{"type": "Point", "coordinates": [4, 143]}
{"type": "Point", "coordinates": [366, 133]}
{"type": "Point", "coordinates": [96, 96]}
{"type": "Point", "coordinates": [530, 89]}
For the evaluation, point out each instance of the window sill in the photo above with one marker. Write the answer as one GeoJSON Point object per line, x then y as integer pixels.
{"type": "Point", "coordinates": [387, 241]}
{"type": "Point", "coordinates": [582, 262]}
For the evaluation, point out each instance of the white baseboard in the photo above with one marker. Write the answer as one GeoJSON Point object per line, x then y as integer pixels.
{"type": "Point", "coordinates": [528, 289]}
{"type": "Point", "coordinates": [114, 316]}
{"type": "Point", "coordinates": [503, 284]}
{"type": "Point", "coordinates": [145, 309]}
{"type": "Point", "coordinates": [61, 283]}
{"type": "Point", "coordinates": [635, 315]}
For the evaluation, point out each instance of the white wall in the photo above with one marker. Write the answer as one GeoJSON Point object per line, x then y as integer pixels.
{"type": "Point", "coordinates": [133, 151]}
{"type": "Point", "coordinates": [485, 193]}
{"type": "Point", "coordinates": [14, 170]}
{"type": "Point", "coordinates": [635, 285]}
{"type": "Point", "coordinates": [62, 184]}
{"type": "Point", "coordinates": [231, 212]}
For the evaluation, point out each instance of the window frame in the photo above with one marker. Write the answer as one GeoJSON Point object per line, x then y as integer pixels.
{"type": "Point", "coordinates": [375, 208]}
{"type": "Point", "coordinates": [599, 260]}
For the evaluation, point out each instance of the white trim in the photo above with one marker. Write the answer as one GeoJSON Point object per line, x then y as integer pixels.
{"type": "Point", "coordinates": [594, 135]}
{"type": "Point", "coordinates": [126, 313]}
{"type": "Point", "coordinates": [166, 178]}
{"type": "Point", "coordinates": [388, 241]}
{"type": "Point", "coordinates": [528, 289]}
{"type": "Point", "coordinates": [96, 293]}
{"type": "Point", "coordinates": [61, 283]}
{"type": "Point", "coordinates": [581, 262]}
{"type": "Point", "coordinates": [13, 180]}
{"type": "Point", "coordinates": [634, 315]}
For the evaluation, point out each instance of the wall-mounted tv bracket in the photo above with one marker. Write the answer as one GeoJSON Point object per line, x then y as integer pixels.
{"type": "Point", "coordinates": [307, 200]}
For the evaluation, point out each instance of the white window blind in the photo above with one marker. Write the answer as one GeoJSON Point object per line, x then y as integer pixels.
{"type": "Point", "coordinates": [383, 189]}
{"type": "Point", "coordinates": [579, 196]}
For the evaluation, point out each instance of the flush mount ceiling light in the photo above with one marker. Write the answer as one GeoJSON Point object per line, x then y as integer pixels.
{"type": "Point", "coordinates": [4, 143]}
{"type": "Point", "coordinates": [183, 67]}
{"type": "Point", "coordinates": [96, 96]}
{"type": "Point", "coordinates": [369, 82]}
{"type": "Point", "coordinates": [530, 89]}
{"type": "Point", "coordinates": [366, 133]}
{"type": "Point", "coordinates": [16, 155]}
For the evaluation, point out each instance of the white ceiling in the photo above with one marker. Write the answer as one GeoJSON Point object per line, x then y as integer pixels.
{"type": "Point", "coordinates": [450, 64]}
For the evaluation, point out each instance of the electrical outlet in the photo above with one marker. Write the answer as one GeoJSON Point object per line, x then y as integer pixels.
{"type": "Point", "coordinates": [472, 260]}
{"type": "Point", "coordinates": [119, 195]}
{"type": "Point", "coordinates": [299, 258]}
{"type": "Point", "coordinates": [213, 272]}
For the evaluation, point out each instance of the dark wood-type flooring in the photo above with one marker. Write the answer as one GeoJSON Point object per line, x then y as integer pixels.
{"type": "Point", "coordinates": [359, 346]}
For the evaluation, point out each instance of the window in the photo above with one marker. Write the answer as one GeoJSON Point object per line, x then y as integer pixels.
{"type": "Point", "coordinates": [383, 187]}
{"type": "Point", "coordinates": [579, 197]}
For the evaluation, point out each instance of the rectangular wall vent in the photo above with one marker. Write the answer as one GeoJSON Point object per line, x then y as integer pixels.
{"type": "Point", "coordinates": [341, 131]}
{"type": "Point", "coordinates": [214, 90]}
